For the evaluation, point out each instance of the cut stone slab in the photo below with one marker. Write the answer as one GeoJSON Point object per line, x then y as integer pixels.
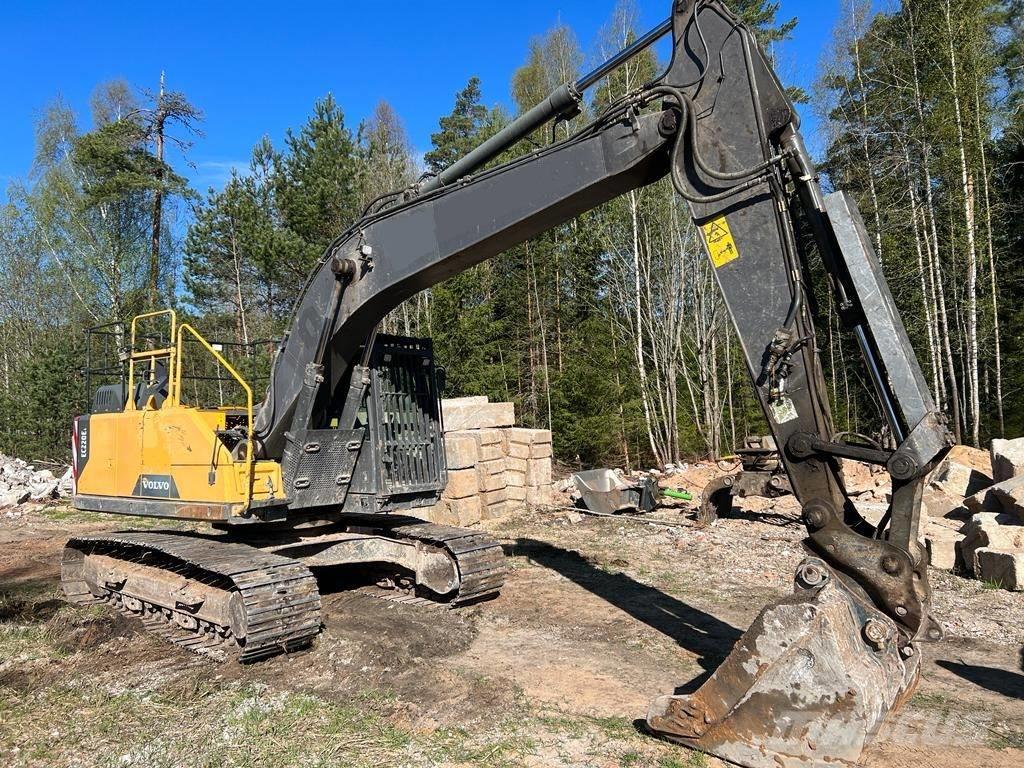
{"type": "Point", "coordinates": [460, 401]}
{"type": "Point", "coordinates": [489, 482]}
{"type": "Point", "coordinates": [516, 493]}
{"type": "Point", "coordinates": [1007, 459]}
{"type": "Point", "coordinates": [988, 530]}
{"type": "Point", "coordinates": [538, 473]}
{"type": "Point", "coordinates": [441, 513]}
{"type": "Point", "coordinates": [1002, 567]}
{"type": "Point", "coordinates": [461, 451]}
{"type": "Point", "coordinates": [466, 511]}
{"type": "Point", "coordinates": [540, 496]}
{"type": "Point", "coordinates": [964, 472]}
{"type": "Point", "coordinates": [940, 543]}
{"type": "Point", "coordinates": [937, 503]}
{"type": "Point", "coordinates": [528, 436]}
{"type": "Point", "coordinates": [1006, 496]}
{"type": "Point", "coordinates": [460, 415]}
{"type": "Point", "coordinates": [462, 484]}
{"type": "Point", "coordinates": [1009, 494]}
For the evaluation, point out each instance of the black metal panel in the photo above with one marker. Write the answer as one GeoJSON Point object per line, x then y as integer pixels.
{"type": "Point", "coordinates": [406, 419]}
{"type": "Point", "coordinates": [318, 466]}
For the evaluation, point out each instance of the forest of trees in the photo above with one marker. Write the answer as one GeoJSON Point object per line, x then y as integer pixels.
{"type": "Point", "coordinates": [608, 329]}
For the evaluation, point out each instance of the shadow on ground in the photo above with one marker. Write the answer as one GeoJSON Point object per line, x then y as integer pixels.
{"type": "Point", "coordinates": [709, 638]}
{"type": "Point", "coordinates": [995, 679]}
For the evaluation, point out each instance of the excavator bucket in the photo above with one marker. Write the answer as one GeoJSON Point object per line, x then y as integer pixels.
{"type": "Point", "coordinates": [808, 684]}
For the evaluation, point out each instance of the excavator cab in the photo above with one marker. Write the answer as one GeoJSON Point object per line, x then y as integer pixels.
{"type": "Point", "coordinates": [160, 452]}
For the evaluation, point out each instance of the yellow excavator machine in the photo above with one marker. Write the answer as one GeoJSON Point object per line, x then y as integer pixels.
{"type": "Point", "coordinates": [346, 445]}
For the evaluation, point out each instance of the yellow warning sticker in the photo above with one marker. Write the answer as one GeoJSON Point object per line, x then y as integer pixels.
{"type": "Point", "coordinates": [721, 246]}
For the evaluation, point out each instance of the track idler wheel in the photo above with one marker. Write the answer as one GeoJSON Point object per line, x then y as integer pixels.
{"type": "Point", "coordinates": [808, 684]}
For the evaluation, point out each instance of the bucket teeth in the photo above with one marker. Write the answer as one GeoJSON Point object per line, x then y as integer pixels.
{"type": "Point", "coordinates": [808, 684]}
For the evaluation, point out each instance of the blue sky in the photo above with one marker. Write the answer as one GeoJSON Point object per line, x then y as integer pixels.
{"type": "Point", "coordinates": [256, 68]}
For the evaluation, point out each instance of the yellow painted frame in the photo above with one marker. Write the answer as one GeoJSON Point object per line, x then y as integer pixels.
{"type": "Point", "coordinates": [150, 354]}
{"type": "Point", "coordinates": [175, 394]}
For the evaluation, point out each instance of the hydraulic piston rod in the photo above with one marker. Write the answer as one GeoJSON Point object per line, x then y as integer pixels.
{"type": "Point", "coordinates": [564, 101]}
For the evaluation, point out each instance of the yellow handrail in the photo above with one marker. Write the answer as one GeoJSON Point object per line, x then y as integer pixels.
{"type": "Point", "coordinates": [151, 353]}
{"type": "Point", "coordinates": [248, 397]}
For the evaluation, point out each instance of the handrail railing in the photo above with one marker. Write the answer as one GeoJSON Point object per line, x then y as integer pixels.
{"type": "Point", "coordinates": [176, 396]}
{"type": "Point", "coordinates": [151, 354]}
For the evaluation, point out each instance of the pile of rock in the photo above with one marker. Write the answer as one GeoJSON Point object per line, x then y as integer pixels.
{"type": "Point", "coordinates": [21, 482]}
{"type": "Point", "coordinates": [975, 513]}
{"type": "Point", "coordinates": [494, 467]}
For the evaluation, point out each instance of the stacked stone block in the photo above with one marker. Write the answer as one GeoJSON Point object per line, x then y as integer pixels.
{"type": "Point", "coordinates": [494, 467]}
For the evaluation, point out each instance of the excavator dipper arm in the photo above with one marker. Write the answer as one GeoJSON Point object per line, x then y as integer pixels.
{"type": "Point", "coordinates": [819, 670]}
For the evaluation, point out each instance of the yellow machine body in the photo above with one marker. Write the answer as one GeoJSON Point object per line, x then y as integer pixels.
{"type": "Point", "coordinates": [163, 457]}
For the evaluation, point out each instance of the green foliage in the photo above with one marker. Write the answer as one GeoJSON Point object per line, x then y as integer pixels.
{"type": "Point", "coordinates": [459, 131]}
{"type": "Point", "coordinates": [35, 414]}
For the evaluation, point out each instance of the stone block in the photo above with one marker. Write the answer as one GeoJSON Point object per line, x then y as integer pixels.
{"type": "Point", "coordinates": [528, 436]}
{"type": "Point", "coordinates": [941, 546]}
{"type": "Point", "coordinates": [515, 464]}
{"type": "Point", "coordinates": [489, 482]}
{"type": "Point", "coordinates": [498, 496]}
{"type": "Point", "coordinates": [516, 493]}
{"type": "Point", "coordinates": [518, 450]}
{"type": "Point", "coordinates": [515, 478]}
{"type": "Point", "coordinates": [491, 452]}
{"type": "Point", "coordinates": [462, 483]}
{"type": "Point", "coordinates": [1009, 495]}
{"type": "Point", "coordinates": [499, 509]}
{"type": "Point", "coordinates": [538, 472]}
{"type": "Point", "coordinates": [492, 467]}
{"type": "Point", "coordinates": [441, 513]}
{"type": "Point", "coordinates": [459, 402]}
{"type": "Point", "coordinates": [466, 511]}
{"type": "Point", "coordinates": [540, 451]}
{"type": "Point", "coordinates": [937, 503]}
{"type": "Point", "coordinates": [489, 436]}
{"type": "Point", "coordinates": [988, 530]}
{"type": "Point", "coordinates": [1002, 567]}
{"type": "Point", "coordinates": [1005, 496]}
{"type": "Point", "coordinates": [461, 450]}
{"type": "Point", "coordinates": [959, 474]}
{"type": "Point", "coordinates": [539, 496]}
{"type": "Point", "coordinates": [1007, 459]}
{"type": "Point", "coordinates": [459, 415]}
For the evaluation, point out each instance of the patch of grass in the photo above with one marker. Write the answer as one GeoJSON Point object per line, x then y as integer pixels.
{"type": "Point", "coordinates": [502, 749]}
{"type": "Point", "coordinates": [991, 584]}
{"type": "Point", "coordinates": [693, 759]}
{"type": "Point", "coordinates": [932, 701]}
{"type": "Point", "coordinates": [194, 723]}
{"type": "Point", "coordinates": [616, 727]}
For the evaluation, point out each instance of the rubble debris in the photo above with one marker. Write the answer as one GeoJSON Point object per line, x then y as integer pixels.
{"type": "Point", "coordinates": [988, 530]}
{"type": "Point", "coordinates": [964, 472]}
{"type": "Point", "coordinates": [1003, 568]}
{"type": "Point", "coordinates": [1006, 496]}
{"type": "Point", "coordinates": [1007, 459]}
{"type": "Point", "coordinates": [21, 482]}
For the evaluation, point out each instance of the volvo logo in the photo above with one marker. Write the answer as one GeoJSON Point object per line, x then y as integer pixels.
{"type": "Point", "coordinates": [156, 486]}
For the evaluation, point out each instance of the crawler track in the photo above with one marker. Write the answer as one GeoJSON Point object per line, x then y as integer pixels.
{"type": "Point", "coordinates": [479, 558]}
{"type": "Point", "coordinates": [274, 601]}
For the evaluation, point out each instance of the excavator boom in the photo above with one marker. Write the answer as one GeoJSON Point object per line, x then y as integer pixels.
{"type": "Point", "coordinates": [819, 670]}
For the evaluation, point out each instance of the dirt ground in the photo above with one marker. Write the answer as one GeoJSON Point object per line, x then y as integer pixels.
{"type": "Point", "coordinates": [597, 617]}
